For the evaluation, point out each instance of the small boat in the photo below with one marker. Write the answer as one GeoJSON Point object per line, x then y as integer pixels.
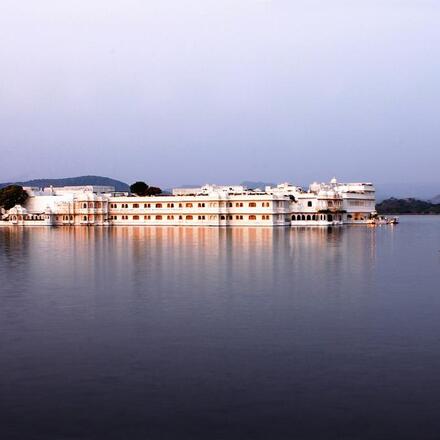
{"type": "Point", "coordinates": [382, 220]}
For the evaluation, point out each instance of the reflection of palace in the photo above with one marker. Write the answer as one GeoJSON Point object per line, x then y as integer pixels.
{"type": "Point", "coordinates": [284, 205]}
{"type": "Point", "coordinates": [163, 260]}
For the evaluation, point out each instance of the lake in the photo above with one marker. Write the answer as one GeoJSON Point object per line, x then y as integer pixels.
{"type": "Point", "coordinates": [205, 333]}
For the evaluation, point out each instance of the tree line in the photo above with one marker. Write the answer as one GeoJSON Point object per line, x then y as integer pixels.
{"type": "Point", "coordinates": [12, 195]}
{"type": "Point", "coordinates": [407, 206]}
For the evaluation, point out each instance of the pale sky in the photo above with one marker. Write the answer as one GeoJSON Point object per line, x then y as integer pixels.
{"type": "Point", "coordinates": [174, 91]}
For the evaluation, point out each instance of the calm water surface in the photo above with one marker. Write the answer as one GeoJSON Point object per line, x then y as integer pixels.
{"type": "Point", "coordinates": [185, 333]}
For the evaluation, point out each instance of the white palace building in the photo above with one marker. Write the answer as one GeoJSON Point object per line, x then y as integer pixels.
{"type": "Point", "coordinates": [323, 204]}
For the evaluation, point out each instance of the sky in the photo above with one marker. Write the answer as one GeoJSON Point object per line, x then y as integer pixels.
{"type": "Point", "coordinates": [179, 92]}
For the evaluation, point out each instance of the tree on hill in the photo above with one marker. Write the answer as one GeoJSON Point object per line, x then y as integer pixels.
{"type": "Point", "coordinates": [142, 189]}
{"type": "Point", "coordinates": [12, 195]}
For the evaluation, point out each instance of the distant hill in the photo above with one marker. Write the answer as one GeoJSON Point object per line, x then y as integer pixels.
{"type": "Point", "coordinates": [73, 181]}
{"type": "Point", "coordinates": [252, 185]}
{"type": "Point", "coordinates": [436, 199]}
{"type": "Point", "coordinates": [407, 206]}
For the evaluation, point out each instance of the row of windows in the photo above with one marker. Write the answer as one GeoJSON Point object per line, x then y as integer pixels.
{"type": "Point", "coordinates": [187, 217]}
{"type": "Point", "coordinates": [92, 205]}
{"type": "Point", "coordinates": [30, 217]}
{"type": "Point", "coordinates": [360, 203]}
{"type": "Point", "coordinates": [315, 217]}
{"type": "Point", "coordinates": [187, 205]}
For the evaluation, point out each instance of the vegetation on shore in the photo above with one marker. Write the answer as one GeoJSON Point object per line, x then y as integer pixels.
{"type": "Point", "coordinates": [12, 195]}
{"type": "Point", "coordinates": [407, 206]}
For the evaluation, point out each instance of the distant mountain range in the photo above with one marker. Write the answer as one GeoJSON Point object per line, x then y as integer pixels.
{"type": "Point", "coordinates": [258, 184]}
{"type": "Point", "coordinates": [73, 181]}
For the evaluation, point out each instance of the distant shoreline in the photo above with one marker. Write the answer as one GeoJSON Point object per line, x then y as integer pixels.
{"type": "Point", "coordinates": [408, 206]}
{"type": "Point", "coordinates": [410, 213]}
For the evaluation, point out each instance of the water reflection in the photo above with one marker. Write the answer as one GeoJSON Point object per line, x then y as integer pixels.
{"type": "Point", "coordinates": [168, 332]}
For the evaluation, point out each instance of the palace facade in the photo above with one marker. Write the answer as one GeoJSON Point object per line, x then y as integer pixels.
{"type": "Point", "coordinates": [322, 204]}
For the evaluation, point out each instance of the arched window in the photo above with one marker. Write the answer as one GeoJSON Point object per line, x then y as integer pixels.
{"type": "Point", "coordinates": [158, 217]}
{"type": "Point", "coordinates": [308, 217]}
{"type": "Point", "coordinates": [222, 217]}
{"type": "Point", "coordinates": [85, 205]}
{"type": "Point", "coordinates": [252, 217]}
{"type": "Point", "coordinates": [188, 205]}
{"type": "Point", "coordinates": [303, 217]}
